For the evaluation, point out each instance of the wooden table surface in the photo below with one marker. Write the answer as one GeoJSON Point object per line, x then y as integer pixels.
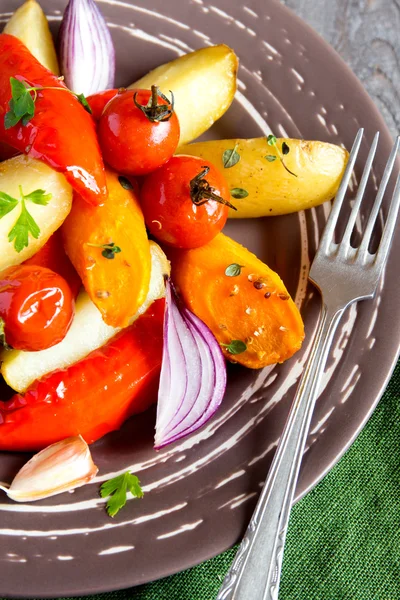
{"type": "Point", "coordinates": [366, 33]}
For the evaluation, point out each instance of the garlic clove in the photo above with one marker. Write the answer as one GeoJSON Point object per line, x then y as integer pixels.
{"type": "Point", "coordinates": [63, 466]}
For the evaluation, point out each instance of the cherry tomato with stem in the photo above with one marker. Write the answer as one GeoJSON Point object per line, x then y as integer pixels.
{"type": "Point", "coordinates": [138, 131]}
{"type": "Point", "coordinates": [185, 202]}
{"type": "Point", "coordinates": [36, 307]}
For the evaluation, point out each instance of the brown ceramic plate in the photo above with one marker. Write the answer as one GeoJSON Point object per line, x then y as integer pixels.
{"type": "Point", "coordinates": [201, 492]}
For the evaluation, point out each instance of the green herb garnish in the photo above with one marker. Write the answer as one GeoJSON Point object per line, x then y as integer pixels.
{"type": "Point", "coordinates": [23, 98]}
{"type": "Point", "coordinates": [25, 224]}
{"type": "Point", "coordinates": [38, 197]}
{"type": "Point", "coordinates": [81, 99]}
{"type": "Point", "coordinates": [233, 270]}
{"type": "Point", "coordinates": [126, 184]}
{"type": "Point", "coordinates": [117, 488]}
{"type": "Point", "coordinates": [230, 157]}
{"type": "Point", "coordinates": [285, 149]}
{"type": "Point", "coordinates": [21, 104]}
{"type": "Point", "coordinates": [109, 250]}
{"type": "Point", "coordinates": [235, 347]}
{"type": "Point", "coordinates": [7, 204]}
{"type": "Point", "coordinates": [239, 193]}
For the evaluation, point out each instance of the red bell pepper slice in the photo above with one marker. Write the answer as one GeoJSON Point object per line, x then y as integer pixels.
{"type": "Point", "coordinates": [61, 133]}
{"type": "Point", "coordinates": [7, 152]}
{"type": "Point", "coordinates": [93, 396]}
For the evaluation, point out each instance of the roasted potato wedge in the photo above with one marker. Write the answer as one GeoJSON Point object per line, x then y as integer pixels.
{"type": "Point", "coordinates": [88, 332]}
{"type": "Point", "coordinates": [30, 175]}
{"type": "Point", "coordinates": [29, 24]}
{"type": "Point", "coordinates": [117, 285]}
{"type": "Point", "coordinates": [203, 83]}
{"type": "Point", "coordinates": [317, 166]}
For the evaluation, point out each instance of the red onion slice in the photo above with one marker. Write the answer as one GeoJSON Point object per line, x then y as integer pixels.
{"type": "Point", "coordinates": [193, 374]}
{"type": "Point", "coordinates": [87, 55]}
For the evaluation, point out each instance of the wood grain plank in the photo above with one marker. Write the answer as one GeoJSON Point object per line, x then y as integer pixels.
{"type": "Point", "coordinates": [366, 33]}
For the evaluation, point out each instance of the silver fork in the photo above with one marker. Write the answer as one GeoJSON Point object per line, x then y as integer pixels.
{"type": "Point", "coordinates": [343, 275]}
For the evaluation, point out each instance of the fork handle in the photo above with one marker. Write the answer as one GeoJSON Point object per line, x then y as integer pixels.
{"type": "Point", "coordinates": [255, 571]}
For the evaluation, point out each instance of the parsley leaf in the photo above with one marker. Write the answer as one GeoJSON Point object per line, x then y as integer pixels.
{"type": "Point", "coordinates": [18, 88]}
{"type": "Point", "coordinates": [24, 106]}
{"type": "Point", "coordinates": [22, 103]}
{"type": "Point", "coordinates": [24, 225]}
{"type": "Point", "coordinates": [26, 119]}
{"type": "Point", "coordinates": [117, 488]}
{"type": "Point", "coordinates": [39, 197]}
{"type": "Point", "coordinates": [7, 204]}
{"type": "Point", "coordinates": [10, 118]}
{"type": "Point", "coordinates": [82, 100]}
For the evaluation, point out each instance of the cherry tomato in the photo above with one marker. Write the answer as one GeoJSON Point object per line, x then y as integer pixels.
{"type": "Point", "coordinates": [99, 101]}
{"type": "Point", "coordinates": [185, 202]}
{"type": "Point", "coordinates": [138, 131]}
{"type": "Point", "coordinates": [36, 306]}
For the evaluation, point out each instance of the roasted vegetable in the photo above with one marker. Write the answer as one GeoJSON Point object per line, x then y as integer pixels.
{"type": "Point", "coordinates": [85, 48]}
{"type": "Point", "coordinates": [262, 184]}
{"type": "Point", "coordinates": [93, 396]}
{"type": "Point", "coordinates": [29, 175]}
{"type": "Point", "coordinates": [243, 302]}
{"type": "Point", "coordinates": [7, 151]}
{"type": "Point", "coordinates": [109, 248]}
{"type": "Point", "coordinates": [87, 333]}
{"type": "Point", "coordinates": [138, 131]}
{"type": "Point", "coordinates": [61, 467]}
{"type": "Point", "coordinates": [50, 125]}
{"type": "Point", "coordinates": [99, 101]}
{"type": "Point", "coordinates": [203, 83]}
{"type": "Point", "coordinates": [36, 307]}
{"type": "Point", "coordinates": [185, 202]}
{"type": "Point", "coordinates": [52, 256]}
{"type": "Point", "coordinates": [29, 24]}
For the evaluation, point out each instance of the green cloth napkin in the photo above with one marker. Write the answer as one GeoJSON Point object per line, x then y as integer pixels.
{"type": "Point", "coordinates": [344, 536]}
